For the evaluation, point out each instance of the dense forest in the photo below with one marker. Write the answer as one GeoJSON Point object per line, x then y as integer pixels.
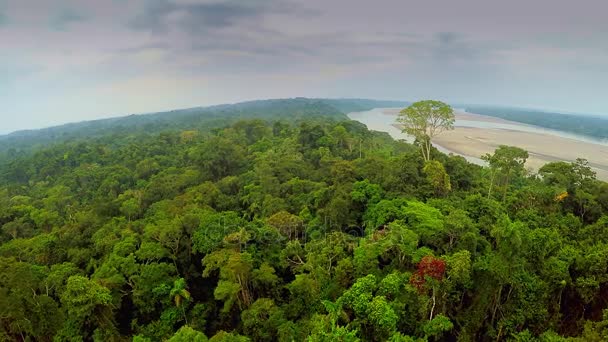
{"type": "Point", "coordinates": [200, 118]}
{"type": "Point", "coordinates": [592, 126]}
{"type": "Point", "coordinates": [295, 225]}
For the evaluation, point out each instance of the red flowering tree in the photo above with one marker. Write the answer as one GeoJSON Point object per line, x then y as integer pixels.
{"type": "Point", "coordinates": [430, 270]}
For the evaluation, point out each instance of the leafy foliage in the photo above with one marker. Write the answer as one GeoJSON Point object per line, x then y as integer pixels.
{"type": "Point", "coordinates": [287, 230]}
{"type": "Point", "coordinates": [424, 120]}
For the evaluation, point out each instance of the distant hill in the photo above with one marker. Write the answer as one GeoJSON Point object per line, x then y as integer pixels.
{"type": "Point", "coordinates": [359, 105]}
{"type": "Point", "coordinates": [202, 118]}
{"type": "Point", "coordinates": [592, 126]}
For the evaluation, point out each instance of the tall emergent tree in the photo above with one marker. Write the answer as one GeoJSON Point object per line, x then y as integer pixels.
{"type": "Point", "coordinates": [424, 120]}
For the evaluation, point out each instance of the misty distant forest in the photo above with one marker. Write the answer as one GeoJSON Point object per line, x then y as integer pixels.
{"type": "Point", "coordinates": [283, 220]}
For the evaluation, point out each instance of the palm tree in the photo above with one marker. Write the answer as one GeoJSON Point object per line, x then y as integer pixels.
{"type": "Point", "coordinates": [180, 295]}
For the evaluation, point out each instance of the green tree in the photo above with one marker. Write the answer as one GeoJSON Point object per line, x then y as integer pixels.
{"type": "Point", "coordinates": [262, 320]}
{"type": "Point", "coordinates": [424, 120]}
{"type": "Point", "coordinates": [508, 161]}
{"type": "Point", "coordinates": [181, 296]}
{"type": "Point", "coordinates": [88, 305]}
{"type": "Point", "coordinates": [223, 336]}
{"type": "Point", "coordinates": [187, 334]}
{"type": "Point", "coordinates": [437, 177]}
{"type": "Point", "coordinates": [235, 271]}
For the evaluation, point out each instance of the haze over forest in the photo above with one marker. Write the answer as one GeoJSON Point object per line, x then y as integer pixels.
{"type": "Point", "coordinates": [71, 61]}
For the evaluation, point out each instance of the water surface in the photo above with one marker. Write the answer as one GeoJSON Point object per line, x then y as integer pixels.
{"type": "Point", "coordinates": [375, 119]}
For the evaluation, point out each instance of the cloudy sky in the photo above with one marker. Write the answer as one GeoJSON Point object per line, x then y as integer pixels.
{"type": "Point", "coordinates": [64, 61]}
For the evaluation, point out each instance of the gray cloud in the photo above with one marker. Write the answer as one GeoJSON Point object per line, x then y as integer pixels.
{"type": "Point", "coordinates": [158, 16]}
{"type": "Point", "coordinates": [152, 16]}
{"type": "Point", "coordinates": [143, 47]}
{"type": "Point", "coordinates": [140, 55]}
{"type": "Point", "coordinates": [230, 36]}
{"type": "Point", "coordinates": [199, 18]}
{"type": "Point", "coordinates": [271, 51]}
{"type": "Point", "coordinates": [453, 48]}
{"type": "Point", "coordinates": [64, 18]}
{"type": "Point", "coordinates": [451, 44]}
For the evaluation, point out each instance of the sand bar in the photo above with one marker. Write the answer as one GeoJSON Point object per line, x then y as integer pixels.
{"type": "Point", "coordinates": [543, 147]}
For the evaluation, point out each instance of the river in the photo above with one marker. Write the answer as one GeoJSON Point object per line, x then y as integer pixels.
{"type": "Point", "coordinates": [376, 120]}
{"type": "Point", "coordinates": [475, 135]}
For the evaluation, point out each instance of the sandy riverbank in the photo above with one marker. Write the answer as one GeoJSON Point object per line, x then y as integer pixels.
{"type": "Point", "coordinates": [542, 147]}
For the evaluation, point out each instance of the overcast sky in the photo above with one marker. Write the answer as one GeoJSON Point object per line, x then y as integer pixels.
{"type": "Point", "coordinates": [64, 61]}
